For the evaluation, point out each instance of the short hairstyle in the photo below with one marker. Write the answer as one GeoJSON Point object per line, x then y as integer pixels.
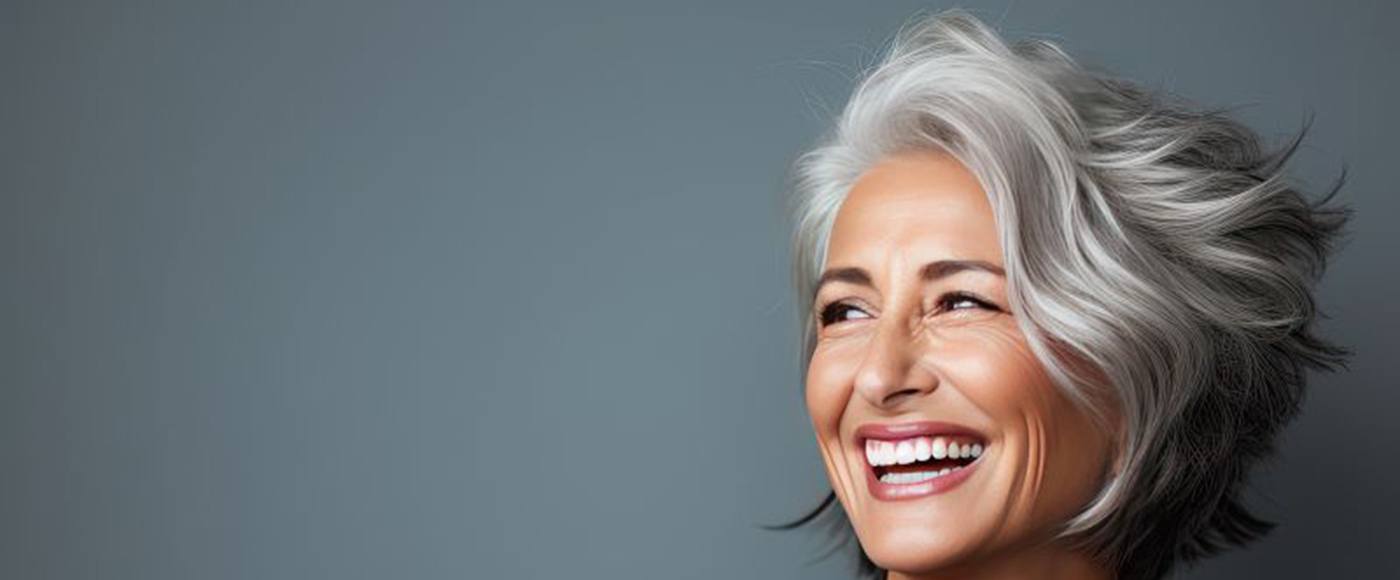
{"type": "Point", "coordinates": [1154, 239]}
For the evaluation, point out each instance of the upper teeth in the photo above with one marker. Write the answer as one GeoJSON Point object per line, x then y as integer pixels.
{"type": "Point", "coordinates": [905, 451]}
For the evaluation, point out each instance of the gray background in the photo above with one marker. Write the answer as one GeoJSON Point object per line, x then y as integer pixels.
{"type": "Point", "coordinates": [450, 290]}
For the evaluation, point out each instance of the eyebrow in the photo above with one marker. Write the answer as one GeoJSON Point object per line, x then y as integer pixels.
{"type": "Point", "coordinates": [928, 273]}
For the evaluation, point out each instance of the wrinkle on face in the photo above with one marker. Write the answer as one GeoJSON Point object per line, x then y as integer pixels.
{"type": "Point", "coordinates": [843, 484]}
{"type": "Point", "coordinates": [839, 471]}
{"type": "Point", "coordinates": [1019, 408]}
{"type": "Point", "coordinates": [908, 360]}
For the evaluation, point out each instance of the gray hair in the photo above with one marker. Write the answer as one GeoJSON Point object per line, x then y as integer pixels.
{"type": "Point", "coordinates": [1155, 240]}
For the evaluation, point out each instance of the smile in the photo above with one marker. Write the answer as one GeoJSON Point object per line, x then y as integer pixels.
{"type": "Point", "coordinates": [910, 460]}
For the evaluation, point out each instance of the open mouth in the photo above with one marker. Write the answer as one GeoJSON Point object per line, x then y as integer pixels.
{"type": "Point", "coordinates": [913, 460]}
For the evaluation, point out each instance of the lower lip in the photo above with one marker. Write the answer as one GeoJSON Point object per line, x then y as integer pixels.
{"type": "Point", "coordinates": [904, 491]}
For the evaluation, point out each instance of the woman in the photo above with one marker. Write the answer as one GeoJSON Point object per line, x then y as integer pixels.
{"type": "Point", "coordinates": [1050, 319]}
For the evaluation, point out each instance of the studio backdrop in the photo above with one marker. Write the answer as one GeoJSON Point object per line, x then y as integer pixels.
{"type": "Point", "coordinates": [336, 290]}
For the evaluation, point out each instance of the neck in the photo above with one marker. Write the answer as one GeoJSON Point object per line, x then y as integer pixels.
{"type": "Point", "coordinates": [1046, 563]}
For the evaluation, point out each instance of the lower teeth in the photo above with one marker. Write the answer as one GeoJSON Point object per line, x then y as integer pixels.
{"type": "Point", "coordinates": [915, 476]}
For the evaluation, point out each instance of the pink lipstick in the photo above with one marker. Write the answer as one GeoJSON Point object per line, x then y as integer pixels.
{"type": "Point", "coordinates": [917, 459]}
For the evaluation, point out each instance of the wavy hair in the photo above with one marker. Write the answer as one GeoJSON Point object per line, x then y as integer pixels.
{"type": "Point", "coordinates": [1158, 241]}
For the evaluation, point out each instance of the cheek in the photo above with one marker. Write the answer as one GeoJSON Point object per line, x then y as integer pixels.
{"type": "Point", "coordinates": [1057, 453]}
{"type": "Point", "coordinates": [995, 368]}
{"type": "Point", "coordinates": [1083, 457]}
{"type": "Point", "coordinates": [828, 387]}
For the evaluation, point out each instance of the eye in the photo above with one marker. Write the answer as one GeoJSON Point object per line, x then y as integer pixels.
{"type": "Point", "coordinates": [836, 312]}
{"type": "Point", "coordinates": [963, 301]}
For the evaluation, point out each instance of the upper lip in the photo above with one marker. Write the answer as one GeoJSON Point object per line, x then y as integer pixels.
{"type": "Point", "coordinates": [890, 431]}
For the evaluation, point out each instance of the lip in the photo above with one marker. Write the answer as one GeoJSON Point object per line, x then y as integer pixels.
{"type": "Point", "coordinates": [908, 491]}
{"type": "Point", "coordinates": [912, 429]}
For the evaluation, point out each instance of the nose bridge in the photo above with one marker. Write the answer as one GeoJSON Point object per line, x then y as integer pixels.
{"type": "Point", "coordinates": [891, 362]}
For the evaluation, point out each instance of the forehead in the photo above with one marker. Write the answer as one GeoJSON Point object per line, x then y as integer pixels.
{"type": "Point", "coordinates": [922, 206]}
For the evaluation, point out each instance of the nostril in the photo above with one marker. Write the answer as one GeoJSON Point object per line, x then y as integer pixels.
{"type": "Point", "coordinates": [900, 395]}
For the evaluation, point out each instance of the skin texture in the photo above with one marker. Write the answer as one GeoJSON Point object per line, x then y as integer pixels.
{"type": "Point", "coordinates": [901, 349]}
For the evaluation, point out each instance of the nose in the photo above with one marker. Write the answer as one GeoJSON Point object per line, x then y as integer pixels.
{"type": "Point", "coordinates": [891, 373]}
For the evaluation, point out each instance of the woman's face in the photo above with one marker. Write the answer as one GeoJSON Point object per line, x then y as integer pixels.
{"type": "Point", "coordinates": [943, 436]}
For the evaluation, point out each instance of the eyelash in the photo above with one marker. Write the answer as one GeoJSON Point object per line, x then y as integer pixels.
{"type": "Point", "coordinates": [830, 313]}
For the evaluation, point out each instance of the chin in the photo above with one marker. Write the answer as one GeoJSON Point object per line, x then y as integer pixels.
{"type": "Point", "coordinates": [916, 551]}
{"type": "Point", "coordinates": [925, 542]}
